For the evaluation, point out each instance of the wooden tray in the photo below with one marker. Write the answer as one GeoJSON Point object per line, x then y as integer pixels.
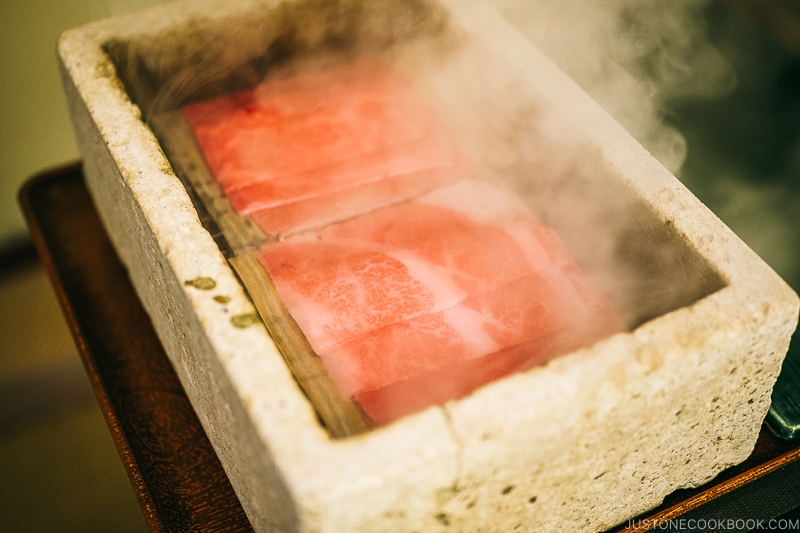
{"type": "Point", "coordinates": [175, 473]}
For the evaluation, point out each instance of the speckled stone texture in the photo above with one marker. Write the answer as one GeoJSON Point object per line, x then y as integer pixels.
{"type": "Point", "coordinates": [586, 442]}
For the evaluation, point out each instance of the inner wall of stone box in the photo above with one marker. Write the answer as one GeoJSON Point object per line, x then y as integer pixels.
{"type": "Point", "coordinates": [638, 259]}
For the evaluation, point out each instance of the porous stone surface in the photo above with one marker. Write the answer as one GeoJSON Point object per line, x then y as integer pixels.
{"type": "Point", "coordinates": [583, 443]}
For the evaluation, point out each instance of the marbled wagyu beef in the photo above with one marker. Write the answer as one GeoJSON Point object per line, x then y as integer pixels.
{"type": "Point", "coordinates": [412, 282]}
{"type": "Point", "coordinates": [320, 146]}
{"type": "Point", "coordinates": [422, 302]}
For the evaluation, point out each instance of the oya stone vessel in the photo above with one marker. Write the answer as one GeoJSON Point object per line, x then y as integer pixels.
{"type": "Point", "coordinates": [587, 441]}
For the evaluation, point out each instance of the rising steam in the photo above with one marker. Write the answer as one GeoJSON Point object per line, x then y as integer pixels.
{"type": "Point", "coordinates": [630, 56]}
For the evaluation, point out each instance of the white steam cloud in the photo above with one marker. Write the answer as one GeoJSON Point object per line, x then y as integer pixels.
{"type": "Point", "coordinates": [630, 56]}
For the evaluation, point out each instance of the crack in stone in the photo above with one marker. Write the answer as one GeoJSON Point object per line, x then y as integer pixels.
{"type": "Point", "coordinates": [460, 446]}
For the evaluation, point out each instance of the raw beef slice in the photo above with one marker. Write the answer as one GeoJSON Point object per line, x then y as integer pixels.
{"type": "Point", "coordinates": [422, 302]}
{"type": "Point", "coordinates": [322, 145]}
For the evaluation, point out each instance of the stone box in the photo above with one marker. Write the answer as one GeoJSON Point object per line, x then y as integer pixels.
{"type": "Point", "coordinates": [581, 444]}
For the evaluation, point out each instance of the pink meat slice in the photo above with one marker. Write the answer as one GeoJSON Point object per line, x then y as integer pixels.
{"type": "Point", "coordinates": [491, 322]}
{"type": "Point", "coordinates": [448, 255]}
{"type": "Point", "coordinates": [316, 212]}
{"type": "Point", "coordinates": [456, 380]}
{"type": "Point", "coordinates": [529, 321]}
{"type": "Point", "coordinates": [398, 161]}
{"type": "Point", "coordinates": [337, 292]}
{"type": "Point", "coordinates": [473, 255]}
{"type": "Point", "coordinates": [397, 351]}
{"type": "Point", "coordinates": [459, 283]}
{"type": "Point", "coordinates": [317, 136]}
{"type": "Point", "coordinates": [310, 120]}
